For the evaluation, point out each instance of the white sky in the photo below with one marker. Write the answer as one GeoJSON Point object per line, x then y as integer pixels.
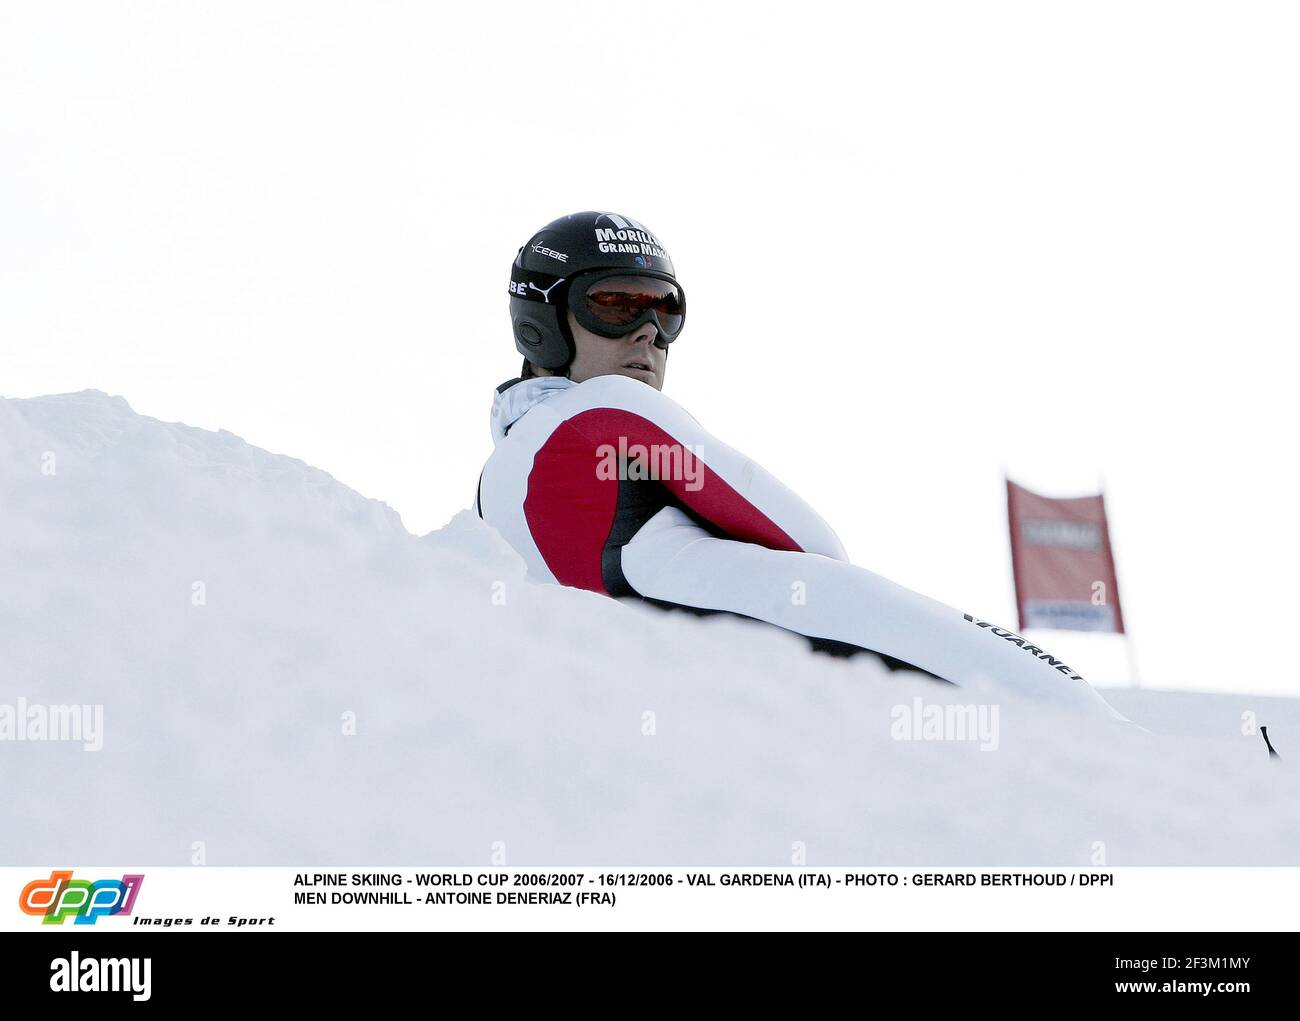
{"type": "Point", "coordinates": [923, 243]}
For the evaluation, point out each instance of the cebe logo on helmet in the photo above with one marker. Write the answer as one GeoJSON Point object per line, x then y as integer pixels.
{"type": "Point", "coordinates": [608, 270]}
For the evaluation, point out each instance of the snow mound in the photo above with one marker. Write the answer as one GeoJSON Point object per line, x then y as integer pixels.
{"type": "Point", "coordinates": [287, 676]}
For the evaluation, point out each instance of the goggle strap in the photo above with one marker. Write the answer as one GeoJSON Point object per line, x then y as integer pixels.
{"type": "Point", "coordinates": [532, 285]}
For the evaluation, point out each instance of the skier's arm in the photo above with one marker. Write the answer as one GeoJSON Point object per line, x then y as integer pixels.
{"type": "Point", "coordinates": [720, 484]}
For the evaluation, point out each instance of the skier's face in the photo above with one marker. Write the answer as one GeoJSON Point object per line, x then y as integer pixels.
{"type": "Point", "coordinates": [633, 354]}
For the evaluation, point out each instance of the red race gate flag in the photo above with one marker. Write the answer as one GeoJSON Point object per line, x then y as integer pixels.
{"type": "Point", "coordinates": [1062, 561]}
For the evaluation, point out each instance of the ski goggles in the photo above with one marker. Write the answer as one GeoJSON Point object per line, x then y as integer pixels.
{"type": "Point", "coordinates": [613, 303]}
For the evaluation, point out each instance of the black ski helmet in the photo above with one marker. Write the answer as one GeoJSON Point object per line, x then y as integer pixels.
{"type": "Point", "coordinates": [545, 267]}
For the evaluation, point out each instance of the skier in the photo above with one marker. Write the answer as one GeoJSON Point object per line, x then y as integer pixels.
{"type": "Point", "coordinates": [600, 482]}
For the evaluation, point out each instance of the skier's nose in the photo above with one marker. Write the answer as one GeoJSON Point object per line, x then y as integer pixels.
{"type": "Point", "coordinates": [643, 334]}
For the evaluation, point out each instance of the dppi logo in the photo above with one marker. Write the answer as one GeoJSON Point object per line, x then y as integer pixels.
{"type": "Point", "coordinates": [60, 896]}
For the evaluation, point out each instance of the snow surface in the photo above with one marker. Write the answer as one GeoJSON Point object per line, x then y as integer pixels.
{"type": "Point", "coordinates": [516, 728]}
